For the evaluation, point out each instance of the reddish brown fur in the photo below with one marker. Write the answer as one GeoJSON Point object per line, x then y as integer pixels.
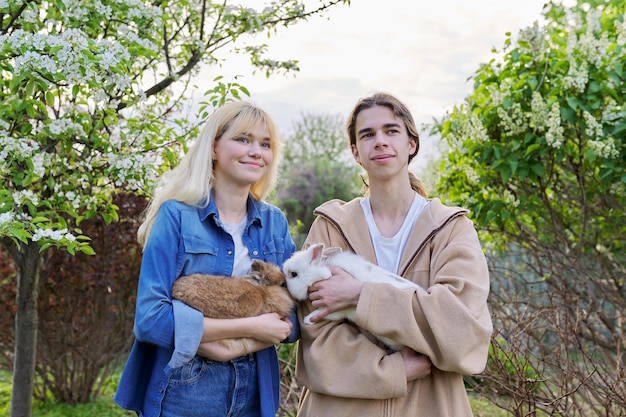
{"type": "Point", "coordinates": [250, 295]}
{"type": "Point", "coordinates": [236, 297]}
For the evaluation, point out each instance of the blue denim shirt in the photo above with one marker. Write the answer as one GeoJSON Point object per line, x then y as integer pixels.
{"type": "Point", "coordinates": [186, 240]}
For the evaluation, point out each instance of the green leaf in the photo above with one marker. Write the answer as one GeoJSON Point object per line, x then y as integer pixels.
{"type": "Point", "coordinates": [87, 250]}
{"type": "Point", "coordinates": [537, 168]}
{"type": "Point", "coordinates": [40, 219]}
{"type": "Point", "coordinates": [573, 102]}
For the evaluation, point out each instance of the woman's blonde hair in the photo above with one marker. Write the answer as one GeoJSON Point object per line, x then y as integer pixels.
{"type": "Point", "coordinates": [192, 179]}
{"type": "Point", "coordinates": [400, 111]}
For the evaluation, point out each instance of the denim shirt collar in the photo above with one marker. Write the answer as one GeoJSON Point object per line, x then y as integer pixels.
{"type": "Point", "coordinates": [210, 210]}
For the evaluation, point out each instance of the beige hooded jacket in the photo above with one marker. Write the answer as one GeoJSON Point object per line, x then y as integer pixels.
{"type": "Point", "coordinates": [346, 373]}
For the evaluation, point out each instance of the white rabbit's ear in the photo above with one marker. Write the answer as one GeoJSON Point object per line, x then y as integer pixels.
{"type": "Point", "coordinates": [316, 252]}
{"type": "Point", "coordinates": [331, 251]}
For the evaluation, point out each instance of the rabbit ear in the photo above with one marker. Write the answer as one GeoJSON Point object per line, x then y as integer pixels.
{"type": "Point", "coordinates": [327, 253]}
{"type": "Point", "coordinates": [316, 251]}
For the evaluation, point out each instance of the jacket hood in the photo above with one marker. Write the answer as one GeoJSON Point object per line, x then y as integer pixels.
{"type": "Point", "coordinates": [349, 220]}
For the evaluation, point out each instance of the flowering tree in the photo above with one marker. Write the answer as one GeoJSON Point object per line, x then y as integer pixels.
{"type": "Point", "coordinates": [538, 153]}
{"type": "Point", "coordinates": [87, 107]}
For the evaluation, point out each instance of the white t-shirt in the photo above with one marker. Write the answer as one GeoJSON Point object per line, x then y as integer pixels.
{"type": "Point", "coordinates": [242, 261]}
{"type": "Point", "coordinates": [389, 250]}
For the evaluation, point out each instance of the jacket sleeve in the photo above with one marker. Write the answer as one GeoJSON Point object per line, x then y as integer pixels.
{"type": "Point", "coordinates": [450, 321]}
{"type": "Point", "coordinates": [336, 358]}
{"type": "Point", "coordinates": [154, 315]}
{"type": "Point", "coordinates": [290, 248]}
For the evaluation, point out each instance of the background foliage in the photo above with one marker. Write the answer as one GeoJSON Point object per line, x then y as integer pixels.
{"type": "Point", "coordinates": [86, 309]}
{"type": "Point", "coordinates": [538, 153]}
{"type": "Point", "coordinates": [90, 101]}
{"type": "Point", "coordinates": [317, 166]}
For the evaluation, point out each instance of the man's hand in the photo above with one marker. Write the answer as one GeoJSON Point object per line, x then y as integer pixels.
{"type": "Point", "coordinates": [417, 366]}
{"type": "Point", "coordinates": [338, 292]}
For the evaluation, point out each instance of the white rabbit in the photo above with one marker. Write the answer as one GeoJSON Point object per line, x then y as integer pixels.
{"type": "Point", "coordinates": [311, 265]}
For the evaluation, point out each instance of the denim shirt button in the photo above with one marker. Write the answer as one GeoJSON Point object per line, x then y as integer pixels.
{"type": "Point", "coordinates": [255, 252]}
{"type": "Point", "coordinates": [230, 252]}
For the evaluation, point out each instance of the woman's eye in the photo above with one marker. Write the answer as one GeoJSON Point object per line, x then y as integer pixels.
{"type": "Point", "coordinates": [267, 145]}
{"type": "Point", "coordinates": [243, 139]}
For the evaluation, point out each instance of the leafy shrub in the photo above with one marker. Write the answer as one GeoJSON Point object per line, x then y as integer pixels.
{"type": "Point", "coordinates": [86, 308]}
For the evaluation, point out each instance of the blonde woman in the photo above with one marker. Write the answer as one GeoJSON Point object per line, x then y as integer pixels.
{"type": "Point", "coordinates": [208, 216]}
{"type": "Point", "coordinates": [446, 329]}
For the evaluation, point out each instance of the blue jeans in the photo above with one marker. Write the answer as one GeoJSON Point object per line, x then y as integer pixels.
{"type": "Point", "coordinates": [206, 388]}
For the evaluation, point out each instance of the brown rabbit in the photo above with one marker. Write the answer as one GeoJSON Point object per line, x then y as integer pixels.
{"type": "Point", "coordinates": [262, 291]}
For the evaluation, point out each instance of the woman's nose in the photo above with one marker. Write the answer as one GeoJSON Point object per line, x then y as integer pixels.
{"type": "Point", "coordinates": [255, 149]}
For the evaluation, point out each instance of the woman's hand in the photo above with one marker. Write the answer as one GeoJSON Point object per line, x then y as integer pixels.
{"type": "Point", "coordinates": [338, 292]}
{"type": "Point", "coordinates": [219, 352]}
{"type": "Point", "coordinates": [265, 330]}
{"type": "Point", "coordinates": [260, 332]}
{"type": "Point", "coordinates": [417, 366]}
{"type": "Point", "coordinates": [270, 328]}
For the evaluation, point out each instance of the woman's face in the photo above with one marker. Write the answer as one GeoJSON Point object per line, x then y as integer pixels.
{"type": "Point", "coordinates": [242, 159]}
{"type": "Point", "coordinates": [383, 145]}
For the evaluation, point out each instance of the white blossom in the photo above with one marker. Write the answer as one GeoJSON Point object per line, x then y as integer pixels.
{"type": "Point", "coordinates": [577, 77]}
{"type": "Point", "coordinates": [495, 95]}
{"type": "Point", "coordinates": [604, 148]}
{"type": "Point", "coordinates": [508, 198]}
{"type": "Point", "coordinates": [39, 164]}
{"type": "Point", "coordinates": [613, 113]}
{"type": "Point", "coordinates": [125, 32]}
{"type": "Point", "coordinates": [539, 112]}
{"type": "Point", "coordinates": [472, 128]}
{"type": "Point", "coordinates": [593, 128]}
{"type": "Point", "coordinates": [470, 174]}
{"type": "Point", "coordinates": [56, 235]}
{"type": "Point", "coordinates": [533, 36]}
{"type": "Point", "coordinates": [19, 38]}
{"type": "Point", "coordinates": [34, 61]}
{"type": "Point", "coordinates": [22, 196]}
{"type": "Point", "coordinates": [512, 120]}
{"type": "Point", "coordinates": [554, 135]}
{"type": "Point", "coordinates": [65, 126]}
{"type": "Point", "coordinates": [7, 217]}
{"type": "Point", "coordinates": [20, 148]}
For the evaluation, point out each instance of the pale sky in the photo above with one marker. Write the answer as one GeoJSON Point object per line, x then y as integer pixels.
{"type": "Point", "coordinates": [421, 51]}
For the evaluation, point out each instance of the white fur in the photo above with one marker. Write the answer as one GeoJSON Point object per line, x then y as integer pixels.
{"type": "Point", "coordinates": [309, 266]}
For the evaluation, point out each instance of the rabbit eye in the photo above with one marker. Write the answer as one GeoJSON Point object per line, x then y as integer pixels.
{"type": "Point", "coordinates": [294, 274]}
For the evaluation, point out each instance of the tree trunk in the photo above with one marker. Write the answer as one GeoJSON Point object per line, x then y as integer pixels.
{"type": "Point", "coordinates": [27, 264]}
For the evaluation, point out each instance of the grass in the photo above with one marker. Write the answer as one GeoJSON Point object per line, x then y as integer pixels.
{"type": "Point", "coordinates": [102, 407]}
{"type": "Point", "coordinates": [105, 407]}
{"type": "Point", "coordinates": [481, 407]}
